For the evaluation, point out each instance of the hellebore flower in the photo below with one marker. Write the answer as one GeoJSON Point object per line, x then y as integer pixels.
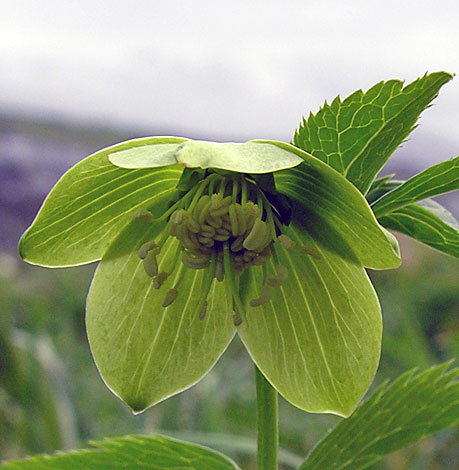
{"type": "Point", "coordinates": [199, 240]}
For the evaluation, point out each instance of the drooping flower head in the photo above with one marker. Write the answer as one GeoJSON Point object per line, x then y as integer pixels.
{"type": "Point", "coordinates": [198, 240]}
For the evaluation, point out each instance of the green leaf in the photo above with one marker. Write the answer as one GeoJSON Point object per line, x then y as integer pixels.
{"type": "Point", "coordinates": [427, 222]}
{"type": "Point", "coordinates": [358, 135]}
{"type": "Point", "coordinates": [336, 214]}
{"type": "Point", "coordinates": [381, 186]}
{"type": "Point", "coordinates": [250, 157]}
{"type": "Point", "coordinates": [90, 205]}
{"type": "Point", "coordinates": [437, 179]}
{"type": "Point", "coordinates": [318, 340]}
{"type": "Point", "coordinates": [144, 352]}
{"type": "Point", "coordinates": [395, 416]}
{"type": "Point", "coordinates": [133, 452]}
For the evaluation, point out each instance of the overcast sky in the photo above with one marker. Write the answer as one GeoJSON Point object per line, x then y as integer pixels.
{"type": "Point", "coordinates": [228, 70]}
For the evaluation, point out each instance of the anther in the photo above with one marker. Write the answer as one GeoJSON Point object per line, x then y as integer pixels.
{"type": "Point", "coordinates": [170, 297]}
{"type": "Point", "coordinates": [142, 214]}
{"type": "Point", "coordinates": [145, 248]}
{"type": "Point", "coordinates": [159, 280]}
{"type": "Point", "coordinates": [264, 297]}
{"type": "Point", "coordinates": [286, 242]}
{"type": "Point", "coordinates": [277, 281]}
{"type": "Point", "coordinates": [310, 250]}
{"type": "Point", "coordinates": [150, 264]}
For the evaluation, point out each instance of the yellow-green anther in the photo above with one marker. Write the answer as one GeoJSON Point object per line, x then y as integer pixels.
{"type": "Point", "coordinates": [170, 297]}
{"type": "Point", "coordinates": [286, 242]}
{"type": "Point", "coordinates": [150, 264]}
{"type": "Point", "coordinates": [257, 236]}
{"type": "Point", "coordinates": [237, 244]}
{"type": "Point", "coordinates": [204, 212]}
{"type": "Point", "coordinates": [195, 263]}
{"type": "Point", "coordinates": [142, 214]}
{"type": "Point", "coordinates": [233, 220]}
{"type": "Point", "coordinates": [312, 251]}
{"type": "Point", "coordinates": [159, 280]}
{"type": "Point", "coordinates": [207, 231]}
{"type": "Point", "coordinates": [242, 220]}
{"type": "Point", "coordinates": [145, 248]}
{"type": "Point", "coordinates": [215, 222]}
{"type": "Point", "coordinates": [193, 225]}
{"type": "Point", "coordinates": [221, 237]}
{"type": "Point", "coordinates": [200, 205]}
{"type": "Point", "coordinates": [265, 297]}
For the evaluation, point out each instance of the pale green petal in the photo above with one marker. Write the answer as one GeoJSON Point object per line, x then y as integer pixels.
{"type": "Point", "coordinates": [156, 152]}
{"type": "Point", "coordinates": [250, 157]}
{"type": "Point", "coordinates": [91, 204]}
{"type": "Point", "coordinates": [318, 340]}
{"type": "Point", "coordinates": [144, 352]}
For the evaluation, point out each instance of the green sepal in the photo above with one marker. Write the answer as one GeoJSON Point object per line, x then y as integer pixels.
{"type": "Point", "coordinates": [144, 352]}
{"type": "Point", "coordinates": [336, 214]}
{"type": "Point", "coordinates": [318, 339]}
{"type": "Point", "coordinates": [91, 204]}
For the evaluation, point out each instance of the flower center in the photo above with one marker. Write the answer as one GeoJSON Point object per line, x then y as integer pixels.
{"type": "Point", "coordinates": [224, 225]}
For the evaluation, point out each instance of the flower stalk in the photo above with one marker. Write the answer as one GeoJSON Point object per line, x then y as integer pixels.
{"type": "Point", "coordinates": [267, 423]}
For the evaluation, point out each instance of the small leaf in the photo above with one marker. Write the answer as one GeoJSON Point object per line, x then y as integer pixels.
{"type": "Point", "coordinates": [90, 205]}
{"type": "Point", "coordinates": [395, 416]}
{"type": "Point", "coordinates": [133, 452]}
{"type": "Point", "coordinates": [427, 222]}
{"type": "Point", "coordinates": [251, 157]}
{"type": "Point", "coordinates": [318, 339]}
{"type": "Point", "coordinates": [144, 352]}
{"type": "Point", "coordinates": [358, 135]}
{"type": "Point", "coordinates": [437, 179]}
{"type": "Point", "coordinates": [336, 214]}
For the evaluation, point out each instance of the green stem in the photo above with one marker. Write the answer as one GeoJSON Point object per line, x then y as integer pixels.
{"type": "Point", "coordinates": [267, 423]}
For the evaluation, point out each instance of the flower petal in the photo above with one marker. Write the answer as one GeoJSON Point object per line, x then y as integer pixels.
{"type": "Point", "coordinates": [144, 352]}
{"type": "Point", "coordinates": [90, 205]}
{"type": "Point", "coordinates": [155, 152]}
{"type": "Point", "coordinates": [336, 214]}
{"type": "Point", "coordinates": [251, 157]}
{"type": "Point", "coordinates": [318, 339]}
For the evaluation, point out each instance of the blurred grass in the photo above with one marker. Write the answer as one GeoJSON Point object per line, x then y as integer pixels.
{"type": "Point", "coordinates": [51, 396]}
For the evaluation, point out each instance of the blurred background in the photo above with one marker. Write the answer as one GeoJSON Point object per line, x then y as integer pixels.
{"type": "Point", "coordinates": [76, 76]}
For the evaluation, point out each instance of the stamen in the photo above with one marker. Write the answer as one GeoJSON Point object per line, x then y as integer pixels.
{"type": "Point", "coordinates": [286, 242]}
{"type": "Point", "coordinates": [277, 281]}
{"type": "Point", "coordinates": [206, 286]}
{"type": "Point", "coordinates": [145, 248]}
{"type": "Point", "coordinates": [159, 280]}
{"type": "Point", "coordinates": [312, 251]}
{"type": "Point", "coordinates": [142, 214]}
{"type": "Point", "coordinates": [231, 283]}
{"type": "Point", "coordinates": [150, 263]}
{"type": "Point", "coordinates": [170, 297]}
{"type": "Point", "coordinates": [264, 297]}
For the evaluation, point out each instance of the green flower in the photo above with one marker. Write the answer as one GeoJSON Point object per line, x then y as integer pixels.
{"type": "Point", "coordinates": [200, 240]}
